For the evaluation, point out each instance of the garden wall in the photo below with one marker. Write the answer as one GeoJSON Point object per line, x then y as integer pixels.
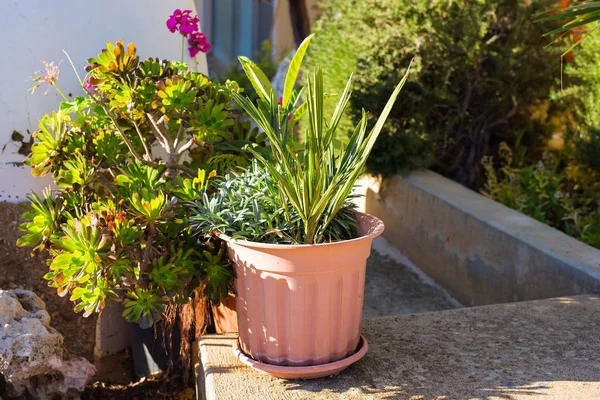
{"type": "Point", "coordinates": [479, 250]}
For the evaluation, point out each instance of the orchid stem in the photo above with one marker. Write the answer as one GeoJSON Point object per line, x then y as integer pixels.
{"type": "Point", "coordinates": [182, 48]}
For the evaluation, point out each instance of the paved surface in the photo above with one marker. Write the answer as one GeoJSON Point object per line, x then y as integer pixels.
{"type": "Point", "coordinates": [544, 349]}
{"type": "Point", "coordinates": [394, 286]}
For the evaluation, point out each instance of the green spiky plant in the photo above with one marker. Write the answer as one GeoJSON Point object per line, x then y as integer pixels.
{"type": "Point", "coordinates": [311, 181]}
{"type": "Point", "coordinates": [581, 21]}
{"type": "Point", "coordinates": [147, 137]}
{"type": "Point", "coordinates": [578, 15]}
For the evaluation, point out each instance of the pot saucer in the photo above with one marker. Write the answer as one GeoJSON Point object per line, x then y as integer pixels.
{"type": "Point", "coordinates": [306, 372]}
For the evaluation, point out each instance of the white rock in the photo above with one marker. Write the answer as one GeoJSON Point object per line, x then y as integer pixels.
{"type": "Point", "coordinates": [33, 361]}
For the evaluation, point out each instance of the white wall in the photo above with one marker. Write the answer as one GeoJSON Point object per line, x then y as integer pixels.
{"type": "Point", "coordinates": [37, 30]}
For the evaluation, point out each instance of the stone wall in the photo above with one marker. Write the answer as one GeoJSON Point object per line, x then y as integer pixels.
{"type": "Point", "coordinates": [479, 250]}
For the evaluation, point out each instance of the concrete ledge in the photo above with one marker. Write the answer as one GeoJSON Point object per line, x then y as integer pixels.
{"type": "Point", "coordinates": [479, 250]}
{"type": "Point", "coordinates": [545, 349]}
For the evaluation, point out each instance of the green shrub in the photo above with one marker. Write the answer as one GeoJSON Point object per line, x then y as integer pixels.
{"type": "Point", "coordinates": [562, 189]}
{"type": "Point", "coordinates": [235, 73]}
{"type": "Point", "coordinates": [581, 81]}
{"type": "Point", "coordinates": [480, 73]}
{"type": "Point", "coordinates": [555, 190]}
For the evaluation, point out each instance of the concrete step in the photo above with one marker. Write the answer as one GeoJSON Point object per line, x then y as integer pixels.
{"type": "Point", "coordinates": [395, 286]}
{"type": "Point", "coordinates": [543, 349]}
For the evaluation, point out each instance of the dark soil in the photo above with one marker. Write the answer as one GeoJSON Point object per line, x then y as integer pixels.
{"type": "Point", "coordinates": [151, 388]}
{"type": "Point", "coordinates": [116, 379]}
{"type": "Point", "coordinates": [19, 270]}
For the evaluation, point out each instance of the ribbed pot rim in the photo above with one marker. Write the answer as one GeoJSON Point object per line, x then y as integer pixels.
{"type": "Point", "coordinates": [374, 224]}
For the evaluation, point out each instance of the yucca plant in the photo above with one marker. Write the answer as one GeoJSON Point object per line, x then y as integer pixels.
{"type": "Point", "coordinates": [314, 179]}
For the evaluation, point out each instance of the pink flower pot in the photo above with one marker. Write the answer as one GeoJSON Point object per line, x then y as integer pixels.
{"type": "Point", "coordinates": [301, 305]}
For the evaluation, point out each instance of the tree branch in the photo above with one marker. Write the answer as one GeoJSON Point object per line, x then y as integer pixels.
{"type": "Point", "coordinates": [179, 167]}
{"type": "Point", "coordinates": [160, 135]}
{"type": "Point", "coordinates": [169, 165]}
{"type": "Point", "coordinates": [467, 98]}
{"type": "Point", "coordinates": [107, 184]}
{"type": "Point", "coordinates": [179, 134]}
{"type": "Point", "coordinates": [134, 153]}
{"type": "Point", "coordinates": [166, 132]}
{"type": "Point", "coordinates": [123, 135]}
{"type": "Point", "coordinates": [113, 118]}
{"type": "Point", "coordinates": [146, 257]}
{"type": "Point", "coordinates": [185, 146]}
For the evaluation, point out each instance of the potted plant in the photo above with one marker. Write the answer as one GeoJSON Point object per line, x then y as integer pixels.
{"type": "Point", "coordinates": [147, 137]}
{"type": "Point", "coordinates": [298, 247]}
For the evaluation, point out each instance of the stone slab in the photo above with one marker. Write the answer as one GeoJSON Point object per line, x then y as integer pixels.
{"type": "Point", "coordinates": [543, 349]}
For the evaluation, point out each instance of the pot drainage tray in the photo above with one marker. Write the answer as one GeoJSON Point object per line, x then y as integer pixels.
{"type": "Point", "coordinates": [305, 372]}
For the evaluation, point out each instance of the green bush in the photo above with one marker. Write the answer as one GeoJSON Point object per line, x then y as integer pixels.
{"type": "Point", "coordinates": [235, 73]}
{"type": "Point", "coordinates": [480, 73]}
{"type": "Point", "coordinates": [555, 190]}
{"type": "Point", "coordinates": [562, 188]}
{"type": "Point", "coordinates": [581, 81]}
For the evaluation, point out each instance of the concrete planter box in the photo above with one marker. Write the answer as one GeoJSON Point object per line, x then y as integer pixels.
{"type": "Point", "coordinates": [479, 250]}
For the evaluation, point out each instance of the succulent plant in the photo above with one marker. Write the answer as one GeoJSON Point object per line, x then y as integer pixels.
{"type": "Point", "coordinates": [115, 227]}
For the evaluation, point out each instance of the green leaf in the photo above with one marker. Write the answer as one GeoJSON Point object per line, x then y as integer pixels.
{"type": "Point", "coordinates": [293, 70]}
{"type": "Point", "coordinates": [339, 111]}
{"type": "Point", "coordinates": [61, 261]}
{"type": "Point", "coordinates": [68, 107]}
{"type": "Point", "coordinates": [557, 13]}
{"type": "Point", "coordinates": [257, 78]}
{"type": "Point", "coordinates": [583, 20]}
{"type": "Point", "coordinates": [300, 112]}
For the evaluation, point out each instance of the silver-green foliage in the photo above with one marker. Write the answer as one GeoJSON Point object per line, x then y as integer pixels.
{"type": "Point", "coordinates": [248, 206]}
{"type": "Point", "coordinates": [241, 206]}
